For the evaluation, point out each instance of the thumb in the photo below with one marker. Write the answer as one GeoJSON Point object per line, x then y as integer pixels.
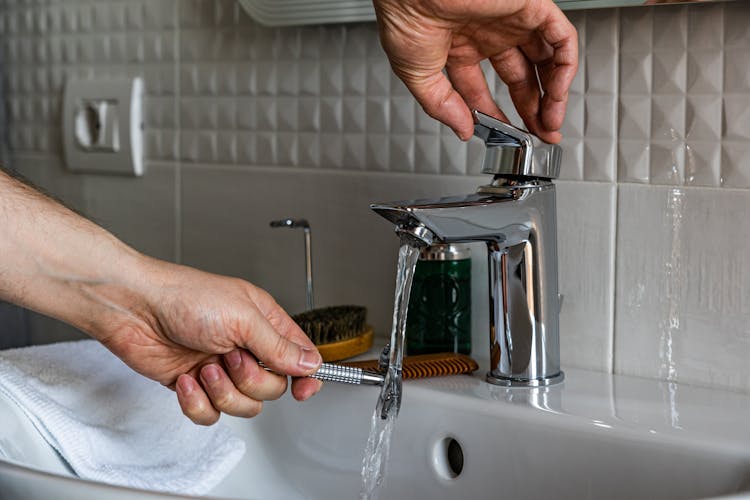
{"type": "Point", "coordinates": [279, 353]}
{"type": "Point", "coordinates": [276, 340]}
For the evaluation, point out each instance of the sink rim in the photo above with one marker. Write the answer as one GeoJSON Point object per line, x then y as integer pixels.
{"type": "Point", "coordinates": [626, 407]}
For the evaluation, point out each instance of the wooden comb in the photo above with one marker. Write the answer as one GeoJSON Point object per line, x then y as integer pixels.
{"type": "Point", "coordinates": [426, 365]}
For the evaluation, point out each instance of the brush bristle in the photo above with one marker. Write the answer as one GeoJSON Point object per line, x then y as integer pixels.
{"type": "Point", "coordinates": [332, 324]}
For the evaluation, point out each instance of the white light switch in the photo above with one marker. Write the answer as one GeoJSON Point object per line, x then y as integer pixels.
{"type": "Point", "coordinates": [102, 126]}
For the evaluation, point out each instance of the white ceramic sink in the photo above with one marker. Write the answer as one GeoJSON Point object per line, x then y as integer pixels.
{"type": "Point", "coordinates": [595, 436]}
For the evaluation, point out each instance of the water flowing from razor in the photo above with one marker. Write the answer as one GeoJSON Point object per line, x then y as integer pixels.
{"type": "Point", "coordinates": [389, 401]}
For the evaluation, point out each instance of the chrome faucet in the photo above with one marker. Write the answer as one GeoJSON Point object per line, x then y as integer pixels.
{"type": "Point", "coordinates": [516, 216]}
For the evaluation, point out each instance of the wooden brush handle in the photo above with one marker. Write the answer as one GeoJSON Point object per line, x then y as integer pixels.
{"type": "Point", "coordinates": [426, 365]}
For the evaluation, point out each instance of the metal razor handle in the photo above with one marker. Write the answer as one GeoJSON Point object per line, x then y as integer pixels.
{"type": "Point", "coordinates": [347, 374]}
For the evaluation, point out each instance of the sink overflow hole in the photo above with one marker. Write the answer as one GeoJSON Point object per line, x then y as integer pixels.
{"type": "Point", "coordinates": [449, 458]}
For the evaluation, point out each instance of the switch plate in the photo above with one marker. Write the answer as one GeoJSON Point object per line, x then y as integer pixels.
{"type": "Point", "coordinates": [102, 126]}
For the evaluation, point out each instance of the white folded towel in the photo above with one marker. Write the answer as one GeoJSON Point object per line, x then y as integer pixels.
{"type": "Point", "coordinates": [111, 424]}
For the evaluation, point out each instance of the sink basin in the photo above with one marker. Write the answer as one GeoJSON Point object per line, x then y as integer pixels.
{"type": "Point", "coordinates": [594, 436]}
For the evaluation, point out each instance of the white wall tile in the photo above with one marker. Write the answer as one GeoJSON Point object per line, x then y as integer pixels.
{"type": "Point", "coordinates": [585, 214]}
{"type": "Point", "coordinates": [682, 301]}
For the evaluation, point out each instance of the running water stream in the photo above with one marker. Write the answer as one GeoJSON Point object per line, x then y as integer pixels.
{"type": "Point", "coordinates": [389, 402]}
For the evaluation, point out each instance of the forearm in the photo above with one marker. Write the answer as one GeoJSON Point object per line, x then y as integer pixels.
{"type": "Point", "coordinates": [58, 263]}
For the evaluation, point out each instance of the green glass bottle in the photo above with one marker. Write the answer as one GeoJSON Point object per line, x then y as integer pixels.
{"type": "Point", "coordinates": [439, 318]}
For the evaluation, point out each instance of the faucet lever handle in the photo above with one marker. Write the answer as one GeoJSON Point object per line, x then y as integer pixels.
{"type": "Point", "coordinates": [512, 151]}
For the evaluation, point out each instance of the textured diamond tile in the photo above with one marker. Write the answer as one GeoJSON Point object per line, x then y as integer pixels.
{"type": "Point", "coordinates": [354, 115]}
{"type": "Point", "coordinates": [706, 27]}
{"type": "Point", "coordinates": [737, 117]}
{"type": "Point", "coordinates": [354, 151]}
{"type": "Point", "coordinates": [601, 72]}
{"type": "Point", "coordinates": [331, 150]}
{"type": "Point", "coordinates": [309, 75]}
{"type": "Point", "coordinates": [378, 76]}
{"type": "Point", "coordinates": [600, 113]}
{"type": "Point", "coordinates": [161, 14]}
{"type": "Point", "coordinates": [309, 150]}
{"type": "Point", "coordinates": [355, 77]}
{"type": "Point", "coordinates": [309, 114]}
{"type": "Point", "coordinates": [226, 113]}
{"type": "Point", "coordinates": [402, 115]}
{"type": "Point", "coordinates": [333, 41]}
{"type": "Point", "coordinates": [736, 27]}
{"type": "Point", "coordinates": [207, 146]}
{"type": "Point", "coordinates": [188, 145]}
{"type": "Point", "coordinates": [737, 70]}
{"type": "Point", "coordinates": [668, 117]}
{"type": "Point", "coordinates": [332, 79]}
{"type": "Point", "coordinates": [601, 30]}
{"type": "Point", "coordinates": [287, 149]}
{"type": "Point", "coordinates": [267, 117]}
{"type": "Point", "coordinates": [667, 162]}
{"type": "Point", "coordinates": [452, 156]}
{"type": "Point", "coordinates": [670, 28]}
{"type": "Point", "coordinates": [635, 117]}
{"type": "Point", "coordinates": [574, 117]}
{"type": "Point", "coordinates": [703, 164]}
{"type": "Point", "coordinates": [636, 30]}
{"type": "Point", "coordinates": [226, 147]}
{"type": "Point", "coordinates": [378, 118]}
{"type": "Point", "coordinates": [331, 114]}
{"type": "Point", "coordinates": [735, 169]}
{"type": "Point", "coordinates": [599, 160]}
{"type": "Point", "coordinates": [247, 150]}
{"type": "Point", "coordinates": [427, 154]}
{"type": "Point", "coordinates": [267, 78]}
{"type": "Point", "coordinates": [670, 72]}
{"type": "Point", "coordinates": [571, 167]}
{"type": "Point", "coordinates": [703, 118]}
{"type": "Point", "coordinates": [633, 161]}
{"type": "Point", "coordinates": [704, 71]}
{"type": "Point", "coordinates": [378, 152]}
{"type": "Point", "coordinates": [247, 82]}
{"type": "Point", "coordinates": [266, 148]}
{"type": "Point", "coordinates": [288, 113]}
{"type": "Point", "coordinates": [288, 78]}
{"type": "Point", "coordinates": [577, 86]}
{"type": "Point", "coordinates": [247, 114]}
{"type": "Point", "coordinates": [401, 153]}
{"type": "Point", "coordinates": [635, 73]}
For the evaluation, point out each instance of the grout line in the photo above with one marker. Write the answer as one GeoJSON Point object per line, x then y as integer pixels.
{"type": "Point", "coordinates": [613, 276]}
{"type": "Point", "coordinates": [615, 202]}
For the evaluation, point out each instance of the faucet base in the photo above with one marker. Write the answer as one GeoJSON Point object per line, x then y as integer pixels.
{"type": "Point", "coordinates": [515, 382]}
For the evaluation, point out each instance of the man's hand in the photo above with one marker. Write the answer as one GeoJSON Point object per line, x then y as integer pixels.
{"type": "Point", "coordinates": [530, 43]}
{"type": "Point", "coordinates": [196, 332]}
{"type": "Point", "coordinates": [204, 334]}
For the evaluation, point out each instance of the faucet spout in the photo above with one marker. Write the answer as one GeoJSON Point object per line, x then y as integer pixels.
{"type": "Point", "coordinates": [515, 216]}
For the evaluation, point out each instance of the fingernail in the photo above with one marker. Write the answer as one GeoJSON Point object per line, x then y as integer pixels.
{"type": "Point", "coordinates": [210, 374]}
{"type": "Point", "coordinates": [309, 359]}
{"type": "Point", "coordinates": [185, 385]}
{"type": "Point", "coordinates": [234, 359]}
